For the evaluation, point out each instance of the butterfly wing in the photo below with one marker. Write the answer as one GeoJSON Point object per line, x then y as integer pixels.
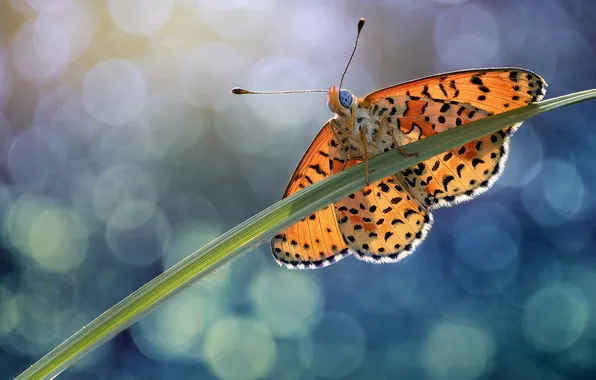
{"type": "Point", "coordinates": [315, 241]}
{"type": "Point", "coordinates": [382, 223]}
{"type": "Point", "coordinates": [427, 106]}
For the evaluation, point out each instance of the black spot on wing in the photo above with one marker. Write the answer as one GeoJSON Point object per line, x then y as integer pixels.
{"type": "Point", "coordinates": [454, 87]}
{"type": "Point", "coordinates": [477, 161]}
{"type": "Point", "coordinates": [476, 80]}
{"type": "Point", "coordinates": [446, 181]}
{"type": "Point", "coordinates": [459, 168]}
{"type": "Point", "coordinates": [409, 212]}
{"type": "Point", "coordinates": [388, 234]}
{"type": "Point", "coordinates": [443, 89]}
{"type": "Point", "coordinates": [317, 168]}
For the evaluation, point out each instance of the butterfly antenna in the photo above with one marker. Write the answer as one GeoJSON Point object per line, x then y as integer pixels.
{"type": "Point", "coordinates": [241, 91]}
{"type": "Point", "coordinates": [360, 25]}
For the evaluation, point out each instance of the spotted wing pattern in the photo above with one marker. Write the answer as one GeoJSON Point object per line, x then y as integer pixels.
{"type": "Point", "coordinates": [315, 241]}
{"type": "Point", "coordinates": [424, 107]}
{"type": "Point", "coordinates": [382, 222]}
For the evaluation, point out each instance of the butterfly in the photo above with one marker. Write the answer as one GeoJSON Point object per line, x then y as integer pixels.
{"type": "Point", "coordinates": [386, 220]}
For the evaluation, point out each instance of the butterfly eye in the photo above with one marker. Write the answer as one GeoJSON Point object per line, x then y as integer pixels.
{"type": "Point", "coordinates": [345, 98]}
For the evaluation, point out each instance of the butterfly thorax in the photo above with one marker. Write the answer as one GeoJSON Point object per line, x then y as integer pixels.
{"type": "Point", "coordinates": [355, 125]}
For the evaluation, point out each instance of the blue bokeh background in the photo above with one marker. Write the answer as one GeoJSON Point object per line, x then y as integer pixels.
{"type": "Point", "coordinates": [122, 151]}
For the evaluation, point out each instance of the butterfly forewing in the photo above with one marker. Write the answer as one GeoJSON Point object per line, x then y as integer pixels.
{"type": "Point", "coordinates": [493, 90]}
{"type": "Point", "coordinates": [424, 107]}
{"type": "Point", "coordinates": [316, 240]}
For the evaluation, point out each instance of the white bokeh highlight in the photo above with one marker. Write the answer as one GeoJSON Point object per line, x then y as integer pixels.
{"type": "Point", "coordinates": [470, 353]}
{"type": "Point", "coordinates": [466, 37]}
{"type": "Point", "coordinates": [555, 317]}
{"type": "Point", "coordinates": [335, 348]}
{"type": "Point", "coordinates": [239, 348]}
{"type": "Point", "coordinates": [286, 315]}
{"type": "Point", "coordinates": [140, 17]}
{"type": "Point", "coordinates": [114, 91]}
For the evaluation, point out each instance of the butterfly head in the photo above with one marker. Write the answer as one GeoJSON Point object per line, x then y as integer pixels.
{"type": "Point", "coordinates": [341, 101]}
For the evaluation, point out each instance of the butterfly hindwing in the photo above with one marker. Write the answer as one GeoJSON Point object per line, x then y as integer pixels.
{"type": "Point", "coordinates": [424, 107]}
{"type": "Point", "coordinates": [315, 241]}
{"type": "Point", "coordinates": [461, 173]}
{"type": "Point", "coordinates": [382, 222]}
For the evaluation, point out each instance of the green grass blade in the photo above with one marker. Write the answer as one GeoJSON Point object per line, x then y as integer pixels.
{"type": "Point", "coordinates": [262, 226]}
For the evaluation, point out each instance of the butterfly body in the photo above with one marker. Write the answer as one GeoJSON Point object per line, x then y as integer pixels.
{"type": "Point", "coordinates": [388, 219]}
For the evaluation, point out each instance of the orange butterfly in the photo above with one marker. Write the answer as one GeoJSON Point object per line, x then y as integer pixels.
{"type": "Point", "coordinates": [385, 221]}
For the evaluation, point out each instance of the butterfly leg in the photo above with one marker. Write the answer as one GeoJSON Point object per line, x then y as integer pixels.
{"type": "Point", "coordinates": [400, 149]}
{"type": "Point", "coordinates": [379, 133]}
{"type": "Point", "coordinates": [339, 131]}
{"type": "Point", "coordinates": [363, 137]}
{"type": "Point", "coordinates": [337, 136]}
{"type": "Point", "coordinates": [382, 124]}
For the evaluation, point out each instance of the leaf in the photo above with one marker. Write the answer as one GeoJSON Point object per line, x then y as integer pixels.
{"type": "Point", "coordinates": [268, 222]}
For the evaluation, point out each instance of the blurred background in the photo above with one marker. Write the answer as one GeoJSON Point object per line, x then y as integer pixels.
{"type": "Point", "coordinates": [122, 151]}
